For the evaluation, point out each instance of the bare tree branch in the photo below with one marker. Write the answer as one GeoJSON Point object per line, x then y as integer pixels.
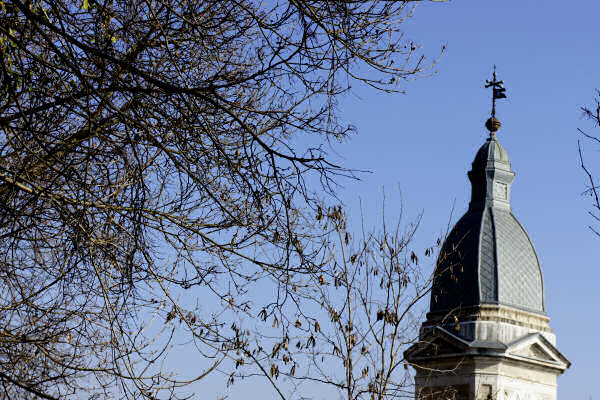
{"type": "Point", "coordinates": [159, 160]}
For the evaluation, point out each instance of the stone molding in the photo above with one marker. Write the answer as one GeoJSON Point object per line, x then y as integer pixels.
{"type": "Point", "coordinates": [491, 313]}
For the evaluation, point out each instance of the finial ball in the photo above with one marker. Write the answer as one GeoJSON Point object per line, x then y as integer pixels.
{"type": "Point", "coordinates": [493, 124]}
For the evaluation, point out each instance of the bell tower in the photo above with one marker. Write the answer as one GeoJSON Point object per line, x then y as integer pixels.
{"type": "Point", "coordinates": [487, 335]}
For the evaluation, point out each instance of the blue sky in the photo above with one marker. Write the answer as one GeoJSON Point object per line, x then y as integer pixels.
{"type": "Point", "coordinates": [424, 142]}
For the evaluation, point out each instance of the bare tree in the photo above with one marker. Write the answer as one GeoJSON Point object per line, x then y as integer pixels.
{"type": "Point", "coordinates": [593, 114]}
{"type": "Point", "coordinates": [151, 147]}
{"type": "Point", "coordinates": [346, 330]}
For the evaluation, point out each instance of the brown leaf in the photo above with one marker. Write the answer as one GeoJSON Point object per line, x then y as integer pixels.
{"type": "Point", "coordinates": [365, 371]}
{"type": "Point", "coordinates": [413, 257]}
{"type": "Point", "coordinates": [353, 339]}
{"type": "Point", "coordinates": [275, 349]}
{"type": "Point", "coordinates": [263, 314]}
{"type": "Point", "coordinates": [239, 362]}
{"type": "Point", "coordinates": [170, 315]}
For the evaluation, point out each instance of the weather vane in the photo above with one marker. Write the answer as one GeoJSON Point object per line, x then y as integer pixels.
{"type": "Point", "coordinates": [498, 92]}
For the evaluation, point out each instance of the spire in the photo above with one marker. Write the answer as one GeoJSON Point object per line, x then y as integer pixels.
{"type": "Point", "coordinates": [491, 175]}
{"type": "Point", "coordinates": [498, 92]}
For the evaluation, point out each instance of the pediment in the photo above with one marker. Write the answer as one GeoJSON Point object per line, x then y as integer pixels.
{"type": "Point", "coordinates": [439, 346]}
{"type": "Point", "coordinates": [438, 342]}
{"type": "Point", "coordinates": [536, 348]}
{"type": "Point", "coordinates": [532, 348]}
{"type": "Point", "coordinates": [534, 351]}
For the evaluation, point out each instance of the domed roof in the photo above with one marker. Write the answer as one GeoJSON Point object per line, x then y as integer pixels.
{"type": "Point", "coordinates": [488, 257]}
{"type": "Point", "coordinates": [492, 152]}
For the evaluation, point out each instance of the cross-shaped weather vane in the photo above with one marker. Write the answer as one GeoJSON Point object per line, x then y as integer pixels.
{"type": "Point", "coordinates": [498, 91]}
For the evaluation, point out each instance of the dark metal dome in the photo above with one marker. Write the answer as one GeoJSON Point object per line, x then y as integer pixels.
{"type": "Point", "coordinates": [488, 258]}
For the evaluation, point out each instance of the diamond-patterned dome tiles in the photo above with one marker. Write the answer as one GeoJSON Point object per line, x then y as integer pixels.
{"type": "Point", "coordinates": [519, 273]}
{"type": "Point", "coordinates": [488, 257]}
